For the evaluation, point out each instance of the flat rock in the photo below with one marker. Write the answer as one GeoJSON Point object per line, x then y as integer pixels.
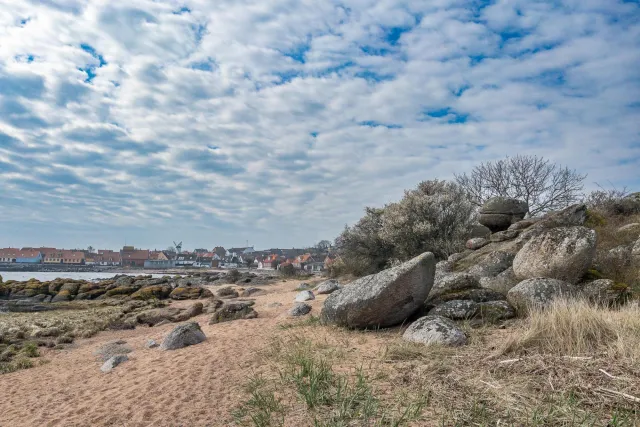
{"type": "Point", "coordinates": [300, 309]}
{"type": "Point", "coordinates": [437, 330]}
{"type": "Point", "coordinates": [111, 349]}
{"type": "Point", "coordinates": [452, 282]}
{"type": "Point", "coordinates": [227, 293]}
{"type": "Point", "coordinates": [253, 292]}
{"type": "Point", "coordinates": [183, 336]}
{"type": "Point", "coordinates": [234, 311]}
{"type": "Point", "coordinates": [305, 296]}
{"type": "Point", "coordinates": [538, 292]}
{"type": "Point", "coordinates": [563, 253]}
{"type": "Point", "coordinates": [384, 299]}
{"type": "Point", "coordinates": [114, 361]}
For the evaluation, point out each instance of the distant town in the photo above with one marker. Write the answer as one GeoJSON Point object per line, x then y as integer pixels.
{"type": "Point", "coordinates": [313, 259]}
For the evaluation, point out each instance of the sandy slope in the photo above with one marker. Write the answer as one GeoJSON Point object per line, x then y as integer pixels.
{"type": "Point", "coordinates": [195, 386]}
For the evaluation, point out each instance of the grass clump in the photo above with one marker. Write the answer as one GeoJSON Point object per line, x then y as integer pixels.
{"type": "Point", "coordinates": [263, 408]}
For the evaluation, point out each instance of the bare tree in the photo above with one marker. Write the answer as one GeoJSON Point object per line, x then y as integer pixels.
{"type": "Point", "coordinates": [545, 186]}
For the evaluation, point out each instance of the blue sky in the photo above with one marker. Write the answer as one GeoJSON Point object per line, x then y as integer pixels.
{"type": "Point", "coordinates": [277, 121]}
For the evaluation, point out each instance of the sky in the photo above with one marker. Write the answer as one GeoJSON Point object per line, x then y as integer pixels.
{"type": "Point", "coordinates": [277, 121]}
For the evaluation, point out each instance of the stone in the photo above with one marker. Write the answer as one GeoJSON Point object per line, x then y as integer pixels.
{"type": "Point", "coordinates": [437, 330]}
{"type": "Point", "coordinates": [476, 243]}
{"type": "Point", "coordinates": [194, 310]}
{"type": "Point", "coordinates": [182, 293]}
{"type": "Point", "coordinates": [495, 311]}
{"type": "Point", "coordinates": [227, 293]}
{"type": "Point", "coordinates": [455, 309]}
{"type": "Point", "coordinates": [457, 256]}
{"type": "Point", "coordinates": [384, 299]}
{"type": "Point", "coordinates": [563, 253]}
{"type": "Point", "coordinates": [498, 213]}
{"type": "Point", "coordinates": [151, 344]}
{"type": "Point", "coordinates": [300, 309]}
{"type": "Point", "coordinates": [501, 283]}
{"type": "Point", "coordinates": [327, 287]}
{"type": "Point", "coordinates": [538, 292]}
{"type": "Point", "coordinates": [212, 306]}
{"type": "Point", "coordinates": [305, 296]}
{"type": "Point", "coordinates": [63, 295]}
{"type": "Point", "coordinates": [605, 292]}
{"type": "Point", "coordinates": [155, 316]}
{"type": "Point", "coordinates": [574, 215]}
{"type": "Point", "coordinates": [523, 224]}
{"type": "Point", "coordinates": [502, 236]}
{"type": "Point", "coordinates": [479, 230]}
{"type": "Point", "coordinates": [304, 287]}
{"type": "Point", "coordinates": [112, 348]}
{"type": "Point", "coordinates": [151, 292]}
{"type": "Point", "coordinates": [452, 282]}
{"type": "Point", "coordinates": [252, 292]}
{"type": "Point", "coordinates": [112, 362]}
{"type": "Point", "coordinates": [477, 295]}
{"type": "Point", "coordinates": [620, 255]}
{"type": "Point", "coordinates": [493, 264]}
{"type": "Point", "coordinates": [234, 311]}
{"type": "Point", "coordinates": [443, 268]}
{"type": "Point", "coordinates": [635, 251]}
{"type": "Point", "coordinates": [183, 336]}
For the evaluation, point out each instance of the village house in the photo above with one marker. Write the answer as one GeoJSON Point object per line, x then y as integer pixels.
{"type": "Point", "coordinates": [220, 252]}
{"type": "Point", "coordinates": [131, 257]}
{"type": "Point", "coordinates": [107, 257]}
{"type": "Point", "coordinates": [9, 255]}
{"type": "Point", "coordinates": [204, 260]}
{"type": "Point", "coordinates": [186, 259]}
{"type": "Point", "coordinates": [270, 262]}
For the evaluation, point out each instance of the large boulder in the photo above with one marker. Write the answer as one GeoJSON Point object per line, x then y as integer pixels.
{"type": "Point", "coordinates": [498, 213]}
{"type": "Point", "coordinates": [450, 283]}
{"type": "Point", "coordinates": [183, 336]}
{"type": "Point", "coordinates": [563, 253]}
{"type": "Point", "coordinates": [384, 299]}
{"type": "Point", "coordinates": [435, 330]}
{"type": "Point", "coordinates": [574, 215]}
{"type": "Point", "coordinates": [537, 292]}
{"type": "Point", "coordinates": [479, 230]}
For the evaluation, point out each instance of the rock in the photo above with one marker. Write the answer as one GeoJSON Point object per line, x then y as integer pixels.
{"type": "Point", "coordinates": [151, 292]}
{"type": "Point", "coordinates": [456, 257]}
{"type": "Point", "coordinates": [305, 296]}
{"type": "Point", "coordinates": [234, 311]}
{"type": "Point", "coordinates": [327, 287]}
{"type": "Point", "coordinates": [443, 268]}
{"type": "Point", "coordinates": [479, 230]}
{"type": "Point", "coordinates": [502, 283]}
{"type": "Point", "coordinates": [114, 361]}
{"type": "Point", "coordinates": [252, 292]}
{"type": "Point", "coordinates": [523, 224]}
{"type": "Point", "coordinates": [274, 305]}
{"type": "Point", "coordinates": [495, 311]}
{"type": "Point", "coordinates": [455, 309]}
{"type": "Point", "coordinates": [452, 282]}
{"type": "Point", "coordinates": [620, 255]}
{"type": "Point", "coordinates": [183, 336]}
{"type": "Point", "coordinates": [574, 215]}
{"type": "Point", "coordinates": [227, 293]}
{"type": "Point", "coordinates": [498, 213]}
{"type": "Point", "coordinates": [194, 310]}
{"type": "Point", "coordinates": [605, 292]}
{"type": "Point", "coordinates": [300, 309]}
{"type": "Point", "coordinates": [47, 332]}
{"type": "Point", "coordinates": [564, 253]}
{"type": "Point", "coordinates": [113, 348]}
{"type": "Point", "coordinates": [63, 295]}
{"type": "Point", "coordinates": [151, 344]}
{"type": "Point", "coordinates": [493, 264]}
{"type": "Point", "coordinates": [476, 243]}
{"type": "Point", "coordinates": [539, 292]}
{"type": "Point", "coordinates": [633, 228]}
{"type": "Point", "coordinates": [502, 236]}
{"type": "Point", "coordinates": [384, 299]}
{"type": "Point", "coordinates": [435, 330]}
{"type": "Point", "coordinates": [156, 316]}
{"type": "Point", "coordinates": [212, 306]}
{"type": "Point", "coordinates": [635, 251]}
{"type": "Point", "coordinates": [182, 293]}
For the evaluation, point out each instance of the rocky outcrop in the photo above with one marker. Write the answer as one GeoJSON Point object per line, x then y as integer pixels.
{"type": "Point", "coordinates": [234, 311]}
{"type": "Point", "coordinates": [538, 292]}
{"type": "Point", "coordinates": [300, 309]}
{"type": "Point", "coordinates": [384, 299]}
{"type": "Point", "coordinates": [305, 296]}
{"type": "Point", "coordinates": [183, 336]}
{"type": "Point", "coordinates": [499, 213]}
{"type": "Point", "coordinates": [327, 287]}
{"type": "Point", "coordinates": [435, 330]}
{"type": "Point", "coordinates": [564, 253]}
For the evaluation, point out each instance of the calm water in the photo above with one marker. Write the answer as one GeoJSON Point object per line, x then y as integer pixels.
{"type": "Point", "coordinates": [51, 275]}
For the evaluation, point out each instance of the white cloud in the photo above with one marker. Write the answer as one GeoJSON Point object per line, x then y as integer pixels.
{"type": "Point", "coordinates": [278, 121]}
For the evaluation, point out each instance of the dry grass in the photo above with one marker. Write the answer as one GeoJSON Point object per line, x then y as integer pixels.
{"type": "Point", "coordinates": [578, 328]}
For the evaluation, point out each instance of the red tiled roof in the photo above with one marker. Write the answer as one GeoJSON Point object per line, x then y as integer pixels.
{"type": "Point", "coordinates": [138, 254]}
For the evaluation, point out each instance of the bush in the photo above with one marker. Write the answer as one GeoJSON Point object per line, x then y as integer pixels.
{"type": "Point", "coordinates": [288, 270]}
{"type": "Point", "coordinates": [233, 275]}
{"type": "Point", "coordinates": [613, 202]}
{"type": "Point", "coordinates": [435, 217]}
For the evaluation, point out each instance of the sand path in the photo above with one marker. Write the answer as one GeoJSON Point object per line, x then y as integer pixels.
{"type": "Point", "coordinates": [194, 386]}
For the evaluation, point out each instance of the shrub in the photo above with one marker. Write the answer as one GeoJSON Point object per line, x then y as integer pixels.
{"type": "Point", "coordinates": [288, 270]}
{"type": "Point", "coordinates": [233, 275]}
{"type": "Point", "coordinates": [613, 202]}
{"type": "Point", "coordinates": [543, 185]}
{"type": "Point", "coordinates": [435, 217]}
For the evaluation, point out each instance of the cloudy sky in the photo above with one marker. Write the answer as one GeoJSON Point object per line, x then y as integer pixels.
{"type": "Point", "coordinates": [277, 121]}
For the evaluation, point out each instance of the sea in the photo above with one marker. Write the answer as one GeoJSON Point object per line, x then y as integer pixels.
{"type": "Point", "coordinates": [46, 276]}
